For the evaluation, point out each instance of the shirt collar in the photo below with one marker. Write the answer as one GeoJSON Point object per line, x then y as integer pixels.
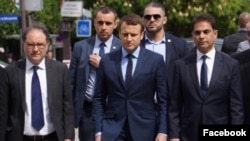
{"type": "Point", "coordinates": [135, 53]}
{"type": "Point", "coordinates": [163, 40]}
{"type": "Point", "coordinates": [210, 54]}
{"type": "Point", "coordinates": [108, 43]}
{"type": "Point", "coordinates": [29, 64]}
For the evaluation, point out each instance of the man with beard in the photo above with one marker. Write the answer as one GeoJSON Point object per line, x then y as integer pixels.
{"type": "Point", "coordinates": [159, 41]}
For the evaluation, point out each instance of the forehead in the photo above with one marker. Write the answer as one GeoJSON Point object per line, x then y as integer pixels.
{"type": "Point", "coordinates": [202, 25]}
{"type": "Point", "coordinates": [35, 35]}
{"type": "Point", "coordinates": [153, 10]}
{"type": "Point", "coordinates": [130, 28]}
{"type": "Point", "coordinates": [105, 16]}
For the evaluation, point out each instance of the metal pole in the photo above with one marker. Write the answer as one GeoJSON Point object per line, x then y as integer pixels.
{"type": "Point", "coordinates": [23, 25]}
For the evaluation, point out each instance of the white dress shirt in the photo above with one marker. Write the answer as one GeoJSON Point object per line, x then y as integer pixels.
{"type": "Point", "coordinates": [48, 125]}
{"type": "Point", "coordinates": [210, 64]}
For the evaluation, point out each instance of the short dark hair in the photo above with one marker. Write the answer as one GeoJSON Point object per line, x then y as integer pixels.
{"type": "Point", "coordinates": [204, 17]}
{"type": "Point", "coordinates": [106, 10]}
{"type": "Point", "coordinates": [39, 26]}
{"type": "Point", "coordinates": [157, 5]}
{"type": "Point", "coordinates": [131, 19]}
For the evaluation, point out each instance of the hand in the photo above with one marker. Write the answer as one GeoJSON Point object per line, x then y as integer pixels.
{"type": "Point", "coordinates": [94, 60]}
{"type": "Point", "coordinates": [98, 138]}
{"type": "Point", "coordinates": [161, 137]}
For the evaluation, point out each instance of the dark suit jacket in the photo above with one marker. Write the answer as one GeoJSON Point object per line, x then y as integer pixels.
{"type": "Point", "coordinates": [244, 60]}
{"type": "Point", "coordinates": [79, 72]}
{"type": "Point", "coordinates": [231, 42]}
{"type": "Point", "coordinates": [3, 103]}
{"type": "Point", "coordinates": [59, 100]}
{"type": "Point", "coordinates": [223, 104]}
{"type": "Point", "coordinates": [113, 103]}
{"type": "Point", "coordinates": [175, 48]}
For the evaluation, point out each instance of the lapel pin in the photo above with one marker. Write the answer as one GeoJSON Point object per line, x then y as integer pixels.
{"type": "Point", "coordinates": [169, 40]}
{"type": "Point", "coordinates": [114, 47]}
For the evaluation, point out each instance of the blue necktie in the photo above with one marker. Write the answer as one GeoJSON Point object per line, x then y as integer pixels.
{"type": "Point", "coordinates": [128, 76]}
{"type": "Point", "coordinates": [101, 51]}
{"type": "Point", "coordinates": [92, 76]}
{"type": "Point", "coordinates": [204, 82]}
{"type": "Point", "coordinates": [36, 102]}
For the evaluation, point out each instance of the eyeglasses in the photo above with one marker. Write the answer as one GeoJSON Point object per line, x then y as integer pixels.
{"type": "Point", "coordinates": [155, 16]}
{"type": "Point", "coordinates": [38, 45]}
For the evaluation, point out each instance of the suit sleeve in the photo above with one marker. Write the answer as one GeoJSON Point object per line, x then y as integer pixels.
{"type": "Point", "coordinates": [161, 90]}
{"type": "Point", "coordinates": [3, 103]}
{"type": "Point", "coordinates": [73, 67]}
{"type": "Point", "coordinates": [174, 105]}
{"type": "Point", "coordinates": [68, 107]}
{"type": "Point", "coordinates": [236, 97]}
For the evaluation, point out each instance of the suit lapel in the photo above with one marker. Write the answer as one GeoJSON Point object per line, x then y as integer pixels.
{"type": "Point", "coordinates": [115, 44]}
{"type": "Point", "coordinates": [21, 81]}
{"type": "Point", "coordinates": [168, 48]}
{"type": "Point", "coordinates": [49, 74]}
{"type": "Point", "coordinates": [118, 60]}
{"type": "Point", "coordinates": [193, 73]}
{"type": "Point", "coordinates": [216, 71]}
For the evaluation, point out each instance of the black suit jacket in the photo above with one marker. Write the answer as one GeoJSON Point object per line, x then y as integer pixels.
{"type": "Point", "coordinates": [59, 100]}
{"type": "Point", "coordinates": [244, 60]}
{"type": "Point", "coordinates": [223, 104]}
{"type": "Point", "coordinates": [3, 103]}
{"type": "Point", "coordinates": [175, 48]}
{"type": "Point", "coordinates": [230, 43]}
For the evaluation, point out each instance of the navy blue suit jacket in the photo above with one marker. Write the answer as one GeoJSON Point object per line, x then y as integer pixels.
{"type": "Point", "coordinates": [113, 103]}
{"type": "Point", "coordinates": [223, 104]}
{"type": "Point", "coordinates": [79, 71]}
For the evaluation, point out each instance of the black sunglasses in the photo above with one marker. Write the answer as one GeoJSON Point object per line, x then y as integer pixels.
{"type": "Point", "coordinates": [155, 16]}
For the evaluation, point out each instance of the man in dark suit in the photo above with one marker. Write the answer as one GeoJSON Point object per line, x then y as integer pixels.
{"type": "Point", "coordinates": [232, 41]}
{"type": "Point", "coordinates": [127, 80]}
{"type": "Point", "coordinates": [39, 100]}
{"type": "Point", "coordinates": [244, 60]}
{"type": "Point", "coordinates": [159, 41]}
{"type": "Point", "coordinates": [84, 62]}
{"type": "Point", "coordinates": [207, 86]}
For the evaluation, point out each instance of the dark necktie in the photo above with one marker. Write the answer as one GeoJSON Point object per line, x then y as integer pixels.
{"type": "Point", "coordinates": [101, 51]}
{"type": "Point", "coordinates": [204, 82]}
{"type": "Point", "coordinates": [128, 76]}
{"type": "Point", "coordinates": [36, 102]}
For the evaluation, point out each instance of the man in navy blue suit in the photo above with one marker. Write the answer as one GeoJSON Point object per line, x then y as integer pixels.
{"type": "Point", "coordinates": [84, 62]}
{"type": "Point", "coordinates": [127, 80]}
{"type": "Point", "coordinates": [207, 86]}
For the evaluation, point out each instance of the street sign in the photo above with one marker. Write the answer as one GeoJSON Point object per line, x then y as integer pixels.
{"type": "Point", "coordinates": [33, 5]}
{"type": "Point", "coordinates": [71, 9]}
{"type": "Point", "coordinates": [83, 28]}
{"type": "Point", "coordinates": [87, 13]}
{"type": "Point", "coordinates": [9, 18]}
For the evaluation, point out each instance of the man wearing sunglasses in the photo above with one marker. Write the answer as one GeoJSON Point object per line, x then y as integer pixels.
{"type": "Point", "coordinates": [159, 41]}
